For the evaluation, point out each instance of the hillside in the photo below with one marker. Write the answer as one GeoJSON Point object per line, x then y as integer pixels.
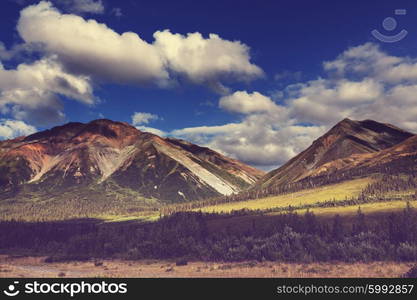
{"type": "Point", "coordinates": [354, 162]}
{"type": "Point", "coordinates": [399, 158]}
{"type": "Point", "coordinates": [336, 192]}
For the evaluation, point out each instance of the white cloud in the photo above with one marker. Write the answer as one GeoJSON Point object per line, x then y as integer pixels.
{"type": "Point", "coordinates": [4, 54]}
{"type": "Point", "coordinates": [369, 84]}
{"type": "Point", "coordinates": [143, 118]}
{"type": "Point", "coordinates": [91, 48]}
{"type": "Point", "coordinates": [266, 136]}
{"type": "Point", "coordinates": [46, 74]}
{"type": "Point", "coordinates": [13, 128]}
{"type": "Point", "coordinates": [20, 51]}
{"type": "Point", "coordinates": [204, 134]}
{"type": "Point", "coordinates": [362, 83]}
{"type": "Point", "coordinates": [79, 52]}
{"type": "Point", "coordinates": [140, 118]}
{"type": "Point", "coordinates": [325, 101]}
{"type": "Point", "coordinates": [30, 91]}
{"type": "Point", "coordinates": [152, 130]}
{"type": "Point", "coordinates": [369, 60]}
{"type": "Point", "coordinates": [246, 103]}
{"type": "Point", "coordinates": [205, 59]}
{"type": "Point", "coordinates": [258, 140]}
{"type": "Point", "coordinates": [362, 59]}
{"type": "Point", "coordinates": [264, 145]}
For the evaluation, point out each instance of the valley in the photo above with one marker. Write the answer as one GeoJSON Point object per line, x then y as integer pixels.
{"type": "Point", "coordinates": [141, 203]}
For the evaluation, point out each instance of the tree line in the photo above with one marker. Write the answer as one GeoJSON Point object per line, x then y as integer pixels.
{"type": "Point", "coordinates": [222, 237]}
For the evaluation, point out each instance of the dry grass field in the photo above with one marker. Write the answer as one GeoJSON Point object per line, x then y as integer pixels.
{"type": "Point", "coordinates": [35, 267]}
{"type": "Point", "coordinates": [367, 208]}
{"type": "Point", "coordinates": [339, 191]}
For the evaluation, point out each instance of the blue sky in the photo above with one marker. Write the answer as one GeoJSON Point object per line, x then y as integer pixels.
{"type": "Point", "coordinates": [276, 76]}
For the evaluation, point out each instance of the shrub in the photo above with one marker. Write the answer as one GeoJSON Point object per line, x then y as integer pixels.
{"type": "Point", "coordinates": [181, 262]}
{"type": "Point", "coordinates": [98, 263]}
{"type": "Point", "coordinates": [407, 252]}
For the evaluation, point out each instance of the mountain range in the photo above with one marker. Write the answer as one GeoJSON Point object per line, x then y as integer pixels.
{"type": "Point", "coordinates": [105, 155]}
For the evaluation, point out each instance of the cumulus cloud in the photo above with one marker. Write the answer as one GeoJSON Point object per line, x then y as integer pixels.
{"type": "Point", "coordinates": [46, 74]}
{"type": "Point", "coordinates": [246, 103]}
{"type": "Point", "coordinates": [96, 50]}
{"type": "Point", "coordinates": [204, 134]}
{"type": "Point", "coordinates": [362, 59]}
{"type": "Point", "coordinates": [325, 101]}
{"type": "Point", "coordinates": [30, 91]}
{"type": "Point", "coordinates": [265, 137]}
{"type": "Point", "coordinates": [4, 54]}
{"type": "Point", "coordinates": [263, 145]}
{"type": "Point", "coordinates": [77, 52]}
{"type": "Point", "coordinates": [205, 59]}
{"type": "Point", "coordinates": [13, 128]}
{"type": "Point", "coordinates": [152, 130]}
{"type": "Point", "coordinates": [369, 60]}
{"type": "Point", "coordinates": [21, 51]}
{"type": "Point", "coordinates": [91, 48]}
{"type": "Point", "coordinates": [143, 118]}
{"type": "Point", "coordinates": [363, 82]}
{"type": "Point", "coordinates": [262, 140]}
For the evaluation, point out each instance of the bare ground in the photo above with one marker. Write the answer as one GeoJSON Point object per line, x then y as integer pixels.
{"type": "Point", "coordinates": [36, 267]}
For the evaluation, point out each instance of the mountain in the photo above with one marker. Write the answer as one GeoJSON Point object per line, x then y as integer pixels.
{"type": "Point", "coordinates": [341, 145]}
{"type": "Point", "coordinates": [105, 155]}
{"type": "Point", "coordinates": [399, 158]}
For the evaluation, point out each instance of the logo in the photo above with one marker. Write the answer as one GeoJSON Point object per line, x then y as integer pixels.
{"type": "Point", "coordinates": [11, 290]}
{"type": "Point", "coordinates": [71, 289]}
{"type": "Point", "coordinates": [390, 24]}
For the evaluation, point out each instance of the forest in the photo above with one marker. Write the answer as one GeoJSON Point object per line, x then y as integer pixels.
{"type": "Point", "coordinates": [187, 236]}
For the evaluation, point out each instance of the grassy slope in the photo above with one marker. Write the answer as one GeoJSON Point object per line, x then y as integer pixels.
{"type": "Point", "coordinates": [367, 208]}
{"type": "Point", "coordinates": [348, 213]}
{"type": "Point", "coordinates": [339, 191]}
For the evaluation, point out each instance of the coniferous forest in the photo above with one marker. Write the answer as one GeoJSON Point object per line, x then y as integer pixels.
{"type": "Point", "coordinates": [217, 237]}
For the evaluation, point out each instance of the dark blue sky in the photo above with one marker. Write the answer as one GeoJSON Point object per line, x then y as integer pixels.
{"type": "Point", "coordinates": [285, 37]}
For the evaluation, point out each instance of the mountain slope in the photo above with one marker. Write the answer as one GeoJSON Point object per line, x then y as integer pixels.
{"type": "Point", "coordinates": [399, 158]}
{"type": "Point", "coordinates": [105, 152]}
{"type": "Point", "coordinates": [346, 139]}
